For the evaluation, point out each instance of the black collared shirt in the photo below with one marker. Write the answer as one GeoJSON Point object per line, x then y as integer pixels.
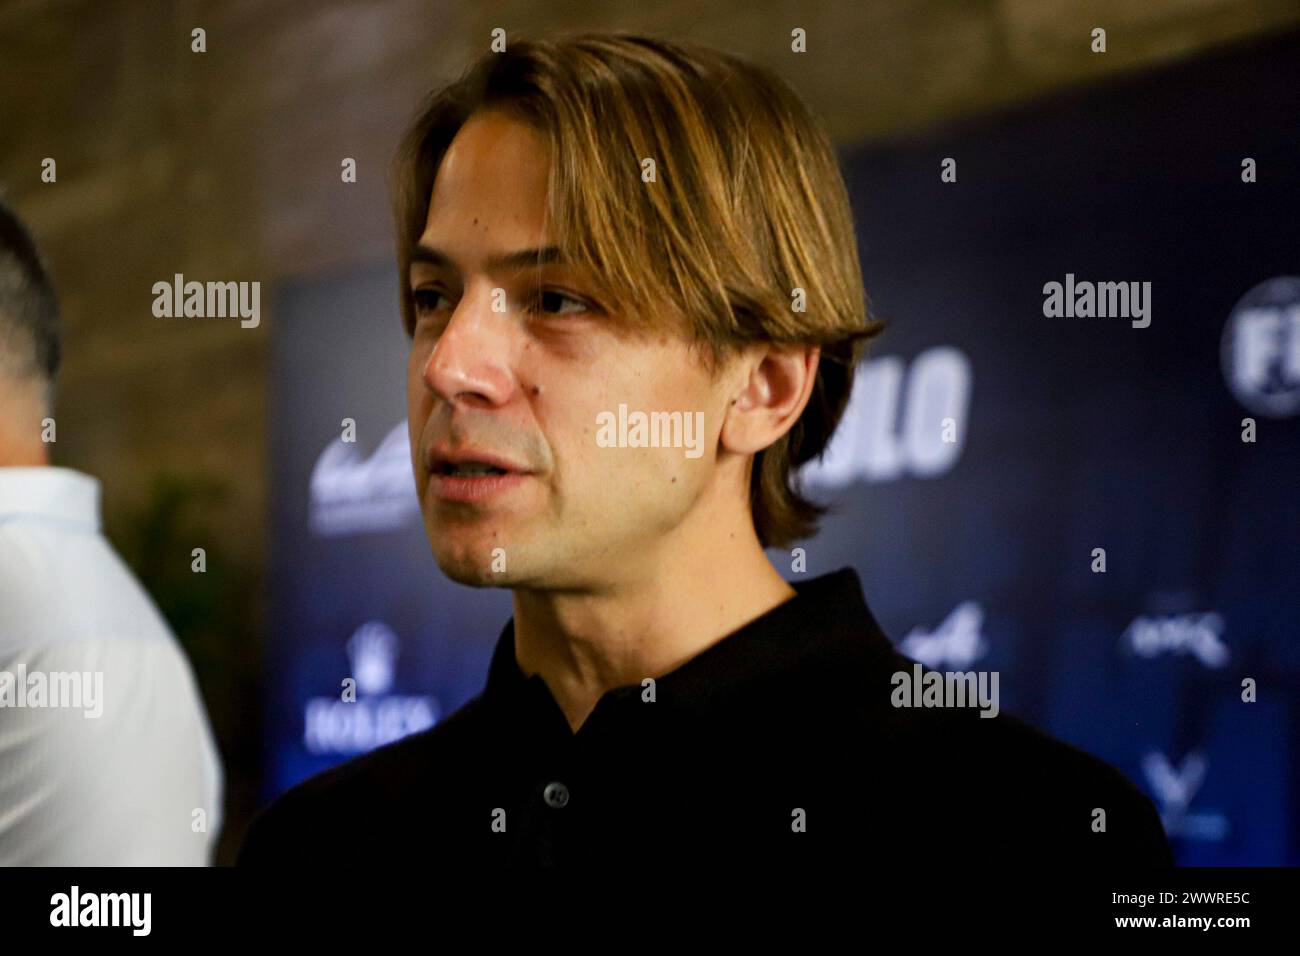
{"type": "Point", "coordinates": [781, 745]}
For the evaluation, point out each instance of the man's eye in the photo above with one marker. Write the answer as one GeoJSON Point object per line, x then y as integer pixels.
{"type": "Point", "coordinates": [426, 300]}
{"type": "Point", "coordinates": [556, 302]}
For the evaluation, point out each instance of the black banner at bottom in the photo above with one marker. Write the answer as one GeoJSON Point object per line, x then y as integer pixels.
{"type": "Point", "coordinates": [129, 906]}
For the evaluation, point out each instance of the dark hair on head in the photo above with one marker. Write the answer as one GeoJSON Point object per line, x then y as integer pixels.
{"type": "Point", "coordinates": [29, 309]}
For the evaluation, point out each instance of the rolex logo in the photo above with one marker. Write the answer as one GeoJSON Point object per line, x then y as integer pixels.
{"type": "Point", "coordinates": [372, 649]}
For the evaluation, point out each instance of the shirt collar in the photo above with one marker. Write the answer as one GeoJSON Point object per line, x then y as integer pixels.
{"type": "Point", "coordinates": [826, 625]}
{"type": "Point", "coordinates": [50, 494]}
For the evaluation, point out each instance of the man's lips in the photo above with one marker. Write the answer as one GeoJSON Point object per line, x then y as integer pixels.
{"type": "Point", "coordinates": [442, 460]}
{"type": "Point", "coordinates": [474, 489]}
{"type": "Point", "coordinates": [477, 488]}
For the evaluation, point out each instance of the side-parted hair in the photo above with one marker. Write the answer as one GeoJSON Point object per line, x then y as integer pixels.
{"type": "Point", "coordinates": [29, 309]}
{"type": "Point", "coordinates": [747, 206]}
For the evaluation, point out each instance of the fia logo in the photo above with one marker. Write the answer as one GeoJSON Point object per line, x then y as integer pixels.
{"type": "Point", "coordinates": [1260, 348]}
{"type": "Point", "coordinates": [956, 642]}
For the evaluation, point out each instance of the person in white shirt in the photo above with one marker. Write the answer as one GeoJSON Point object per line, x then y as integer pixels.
{"type": "Point", "coordinates": [106, 754]}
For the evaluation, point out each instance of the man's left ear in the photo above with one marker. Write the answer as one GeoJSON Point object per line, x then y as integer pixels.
{"type": "Point", "coordinates": [770, 400]}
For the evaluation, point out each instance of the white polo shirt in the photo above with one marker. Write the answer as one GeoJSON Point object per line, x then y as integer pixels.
{"type": "Point", "coordinates": [106, 754]}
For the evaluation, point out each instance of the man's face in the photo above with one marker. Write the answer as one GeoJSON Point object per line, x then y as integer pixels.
{"type": "Point", "coordinates": [526, 385]}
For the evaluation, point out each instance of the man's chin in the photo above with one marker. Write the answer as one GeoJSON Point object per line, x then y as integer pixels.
{"type": "Point", "coordinates": [475, 571]}
{"type": "Point", "coordinates": [475, 577]}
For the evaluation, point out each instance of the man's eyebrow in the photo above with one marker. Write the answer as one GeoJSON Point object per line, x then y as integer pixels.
{"type": "Point", "coordinates": [522, 259]}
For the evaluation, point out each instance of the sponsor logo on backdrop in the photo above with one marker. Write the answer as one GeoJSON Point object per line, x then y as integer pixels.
{"type": "Point", "coordinates": [1174, 791]}
{"type": "Point", "coordinates": [957, 642]}
{"type": "Point", "coordinates": [1260, 348]}
{"type": "Point", "coordinates": [903, 418]}
{"type": "Point", "coordinates": [354, 494]}
{"type": "Point", "coordinates": [376, 717]}
{"type": "Point", "coordinates": [1200, 635]}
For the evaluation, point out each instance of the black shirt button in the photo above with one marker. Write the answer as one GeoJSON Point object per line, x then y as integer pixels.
{"type": "Point", "coordinates": [556, 794]}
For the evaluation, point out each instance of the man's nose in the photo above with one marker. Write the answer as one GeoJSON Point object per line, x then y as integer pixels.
{"type": "Point", "coordinates": [469, 363]}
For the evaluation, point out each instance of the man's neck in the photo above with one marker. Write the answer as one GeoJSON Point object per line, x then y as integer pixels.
{"type": "Point", "coordinates": [22, 456]}
{"type": "Point", "coordinates": [20, 424]}
{"type": "Point", "coordinates": [586, 644]}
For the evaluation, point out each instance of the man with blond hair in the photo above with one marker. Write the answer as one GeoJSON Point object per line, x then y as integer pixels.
{"type": "Point", "coordinates": [611, 228]}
